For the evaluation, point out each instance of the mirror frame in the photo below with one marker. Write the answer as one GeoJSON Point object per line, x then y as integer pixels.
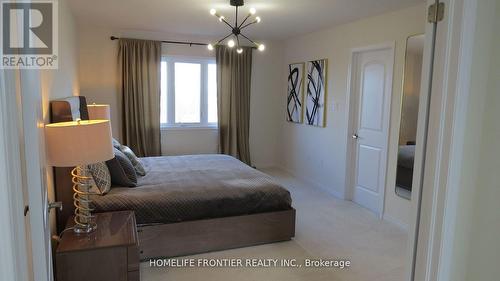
{"type": "Point", "coordinates": [401, 106]}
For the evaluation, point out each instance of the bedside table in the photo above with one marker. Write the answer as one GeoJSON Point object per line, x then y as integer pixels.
{"type": "Point", "coordinates": [109, 253]}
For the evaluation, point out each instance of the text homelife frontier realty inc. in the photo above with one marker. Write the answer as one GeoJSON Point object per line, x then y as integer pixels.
{"type": "Point", "coordinates": [254, 262]}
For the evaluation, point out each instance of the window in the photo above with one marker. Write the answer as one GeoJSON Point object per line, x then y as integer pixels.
{"type": "Point", "coordinates": [188, 92]}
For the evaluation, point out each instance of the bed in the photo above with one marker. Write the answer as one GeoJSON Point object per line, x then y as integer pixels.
{"type": "Point", "coordinates": [189, 204]}
{"type": "Point", "coordinates": [194, 187]}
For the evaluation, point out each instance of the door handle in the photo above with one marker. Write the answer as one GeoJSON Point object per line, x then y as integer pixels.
{"type": "Point", "coordinates": [54, 205]}
{"type": "Point", "coordinates": [355, 136]}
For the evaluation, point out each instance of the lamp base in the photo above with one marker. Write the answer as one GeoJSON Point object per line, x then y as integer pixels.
{"type": "Point", "coordinates": [91, 227]}
{"type": "Point", "coordinates": [82, 183]}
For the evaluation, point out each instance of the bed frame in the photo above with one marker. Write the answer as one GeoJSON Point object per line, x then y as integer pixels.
{"type": "Point", "coordinates": [183, 238]}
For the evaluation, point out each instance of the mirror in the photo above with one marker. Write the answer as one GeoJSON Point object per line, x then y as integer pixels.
{"type": "Point", "coordinates": [409, 114]}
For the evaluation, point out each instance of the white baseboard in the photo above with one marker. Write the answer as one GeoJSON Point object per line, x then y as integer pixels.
{"type": "Point", "coordinates": [337, 194]}
{"type": "Point", "coordinates": [395, 221]}
{"type": "Point", "coordinates": [314, 184]}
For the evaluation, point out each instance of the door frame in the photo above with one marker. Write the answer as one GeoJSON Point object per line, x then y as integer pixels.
{"type": "Point", "coordinates": [15, 230]}
{"type": "Point", "coordinates": [432, 232]}
{"type": "Point", "coordinates": [23, 208]}
{"type": "Point", "coordinates": [22, 176]}
{"type": "Point", "coordinates": [35, 169]}
{"type": "Point", "coordinates": [465, 13]}
{"type": "Point", "coordinates": [352, 102]}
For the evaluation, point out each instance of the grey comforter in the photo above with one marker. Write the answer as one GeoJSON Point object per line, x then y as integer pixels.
{"type": "Point", "coordinates": [182, 188]}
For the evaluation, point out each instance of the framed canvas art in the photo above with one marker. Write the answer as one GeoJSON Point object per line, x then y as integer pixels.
{"type": "Point", "coordinates": [316, 93]}
{"type": "Point", "coordinates": [295, 93]}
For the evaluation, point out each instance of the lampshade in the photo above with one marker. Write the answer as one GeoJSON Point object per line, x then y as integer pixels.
{"type": "Point", "coordinates": [99, 111]}
{"type": "Point", "coordinates": [77, 143]}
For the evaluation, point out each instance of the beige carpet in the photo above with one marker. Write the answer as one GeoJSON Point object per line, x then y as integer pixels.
{"type": "Point", "coordinates": [326, 228]}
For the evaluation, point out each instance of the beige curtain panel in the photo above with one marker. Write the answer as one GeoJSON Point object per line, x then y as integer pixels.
{"type": "Point", "coordinates": [234, 73]}
{"type": "Point", "coordinates": [139, 63]}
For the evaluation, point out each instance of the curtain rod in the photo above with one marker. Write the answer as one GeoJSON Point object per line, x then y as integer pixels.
{"type": "Point", "coordinates": [176, 42]}
{"type": "Point", "coordinates": [173, 42]}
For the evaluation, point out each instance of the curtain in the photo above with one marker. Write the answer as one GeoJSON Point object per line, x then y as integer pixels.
{"type": "Point", "coordinates": [233, 101]}
{"type": "Point", "coordinates": [139, 63]}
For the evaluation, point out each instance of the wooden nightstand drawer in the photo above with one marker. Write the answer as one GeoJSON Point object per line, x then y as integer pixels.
{"type": "Point", "coordinates": [109, 253]}
{"type": "Point", "coordinates": [133, 258]}
{"type": "Point", "coordinates": [99, 264]}
{"type": "Point", "coordinates": [134, 276]}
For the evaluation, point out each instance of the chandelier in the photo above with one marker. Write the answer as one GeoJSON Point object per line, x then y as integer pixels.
{"type": "Point", "coordinates": [236, 30]}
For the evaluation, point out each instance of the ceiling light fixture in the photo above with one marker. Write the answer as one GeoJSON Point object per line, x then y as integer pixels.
{"type": "Point", "coordinates": [237, 28]}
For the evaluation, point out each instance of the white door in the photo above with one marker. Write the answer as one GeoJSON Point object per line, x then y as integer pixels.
{"type": "Point", "coordinates": [24, 179]}
{"type": "Point", "coordinates": [371, 98]}
{"type": "Point", "coordinates": [34, 154]}
{"type": "Point", "coordinates": [15, 245]}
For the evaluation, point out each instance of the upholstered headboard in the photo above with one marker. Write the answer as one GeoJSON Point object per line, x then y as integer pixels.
{"type": "Point", "coordinates": [64, 110]}
{"type": "Point", "coordinates": [68, 109]}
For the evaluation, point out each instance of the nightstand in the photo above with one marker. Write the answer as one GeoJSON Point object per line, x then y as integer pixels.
{"type": "Point", "coordinates": [109, 253]}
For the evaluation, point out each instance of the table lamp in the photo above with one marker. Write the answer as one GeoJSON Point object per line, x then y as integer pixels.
{"type": "Point", "coordinates": [80, 143]}
{"type": "Point", "coordinates": [99, 111]}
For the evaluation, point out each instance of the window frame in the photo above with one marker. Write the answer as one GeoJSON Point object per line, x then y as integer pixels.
{"type": "Point", "coordinates": [170, 92]}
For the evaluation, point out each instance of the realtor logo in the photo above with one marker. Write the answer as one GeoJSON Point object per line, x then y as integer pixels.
{"type": "Point", "coordinates": [29, 34]}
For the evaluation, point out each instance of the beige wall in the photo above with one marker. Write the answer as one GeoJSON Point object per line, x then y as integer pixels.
{"type": "Point", "coordinates": [180, 141]}
{"type": "Point", "coordinates": [265, 105]}
{"type": "Point", "coordinates": [99, 83]}
{"type": "Point", "coordinates": [62, 82]}
{"type": "Point", "coordinates": [318, 155]}
{"type": "Point", "coordinates": [98, 70]}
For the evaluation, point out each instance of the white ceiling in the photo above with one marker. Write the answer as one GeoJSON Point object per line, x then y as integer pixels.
{"type": "Point", "coordinates": [281, 19]}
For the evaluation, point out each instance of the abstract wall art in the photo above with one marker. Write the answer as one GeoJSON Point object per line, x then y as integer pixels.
{"type": "Point", "coordinates": [316, 93]}
{"type": "Point", "coordinates": [295, 93]}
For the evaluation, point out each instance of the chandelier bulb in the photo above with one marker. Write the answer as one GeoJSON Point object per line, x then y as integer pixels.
{"type": "Point", "coordinates": [261, 47]}
{"type": "Point", "coordinates": [230, 43]}
{"type": "Point", "coordinates": [253, 11]}
{"type": "Point", "coordinates": [213, 12]}
{"type": "Point", "coordinates": [221, 18]}
{"type": "Point", "coordinates": [239, 50]}
{"type": "Point", "coordinates": [210, 47]}
{"type": "Point", "coordinates": [257, 19]}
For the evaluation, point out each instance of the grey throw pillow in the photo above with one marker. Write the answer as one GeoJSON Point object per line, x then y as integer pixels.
{"type": "Point", "coordinates": [136, 162]}
{"type": "Point", "coordinates": [101, 177]}
{"type": "Point", "coordinates": [116, 144]}
{"type": "Point", "coordinates": [122, 171]}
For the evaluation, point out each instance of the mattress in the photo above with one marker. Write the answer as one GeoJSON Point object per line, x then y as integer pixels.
{"type": "Point", "coordinates": [193, 187]}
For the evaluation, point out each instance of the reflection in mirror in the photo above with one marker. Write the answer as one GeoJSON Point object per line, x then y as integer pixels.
{"type": "Point", "coordinates": [409, 115]}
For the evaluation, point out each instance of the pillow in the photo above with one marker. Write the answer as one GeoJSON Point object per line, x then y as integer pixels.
{"type": "Point", "coordinates": [116, 144]}
{"type": "Point", "coordinates": [136, 162]}
{"type": "Point", "coordinates": [101, 178]}
{"type": "Point", "coordinates": [122, 171]}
